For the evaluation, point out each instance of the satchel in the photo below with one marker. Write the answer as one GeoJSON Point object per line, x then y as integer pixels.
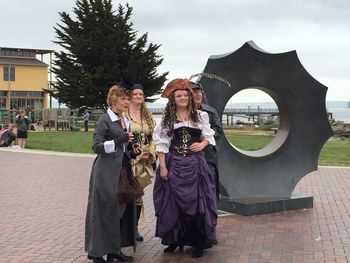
{"type": "Point", "coordinates": [128, 188]}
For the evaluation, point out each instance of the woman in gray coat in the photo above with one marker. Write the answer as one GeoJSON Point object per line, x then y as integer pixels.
{"type": "Point", "coordinates": [110, 225]}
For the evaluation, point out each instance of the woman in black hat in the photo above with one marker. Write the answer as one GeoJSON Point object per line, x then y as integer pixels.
{"type": "Point", "coordinates": [142, 126]}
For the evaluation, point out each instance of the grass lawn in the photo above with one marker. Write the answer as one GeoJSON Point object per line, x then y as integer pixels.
{"type": "Point", "coordinates": [61, 141]}
{"type": "Point", "coordinates": [336, 152]}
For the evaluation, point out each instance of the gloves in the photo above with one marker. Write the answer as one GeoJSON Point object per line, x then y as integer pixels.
{"type": "Point", "coordinates": [121, 139]}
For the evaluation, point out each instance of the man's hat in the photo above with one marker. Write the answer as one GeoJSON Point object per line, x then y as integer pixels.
{"type": "Point", "coordinates": [176, 84]}
{"type": "Point", "coordinates": [196, 86]}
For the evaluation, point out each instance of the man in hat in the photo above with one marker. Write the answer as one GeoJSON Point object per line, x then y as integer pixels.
{"type": "Point", "coordinates": [215, 124]}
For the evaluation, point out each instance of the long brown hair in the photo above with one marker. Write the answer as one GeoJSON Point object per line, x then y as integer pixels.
{"type": "Point", "coordinates": [146, 113]}
{"type": "Point", "coordinates": [169, 115]}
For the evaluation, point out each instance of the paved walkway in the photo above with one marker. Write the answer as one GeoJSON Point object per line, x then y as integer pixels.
{"type": "Point", "coordinates": [42, 212]}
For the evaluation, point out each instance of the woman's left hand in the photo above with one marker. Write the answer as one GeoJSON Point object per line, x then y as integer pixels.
{"type": "Point", "coordinates": [137, 150]}
{"type": "Point", "coordinates": [198, 146]}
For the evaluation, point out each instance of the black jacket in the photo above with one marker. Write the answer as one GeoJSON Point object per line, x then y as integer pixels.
{"type": "Point", "coordinates": [215, 124]}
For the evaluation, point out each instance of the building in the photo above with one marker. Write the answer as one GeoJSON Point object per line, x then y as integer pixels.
{"type": "Point", "coordinates": [24, 78]}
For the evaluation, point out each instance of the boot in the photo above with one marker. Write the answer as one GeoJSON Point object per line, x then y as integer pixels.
{"type": "Point", "coordinates": [138, 213]}
{"type": "Point", "coordinates": [199, 247]}
{"type": "Point", "coordinates": [171, 248]}
{"type": "Point", "coordinates": [97, 259]}
{"type": "Point", "coordinates": [119, 257]}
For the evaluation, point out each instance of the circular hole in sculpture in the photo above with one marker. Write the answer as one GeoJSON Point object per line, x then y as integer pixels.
{"type": "Point", "coordinates": [256, 121]}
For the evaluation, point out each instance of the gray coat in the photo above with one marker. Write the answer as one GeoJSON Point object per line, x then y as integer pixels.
{"type": "Point", "coordinates": [105, 232]}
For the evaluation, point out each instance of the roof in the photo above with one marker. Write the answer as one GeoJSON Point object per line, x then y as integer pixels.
{"type": "Point", "coordinates": [37, 51]}
{"type": "Point", "coordinates": [22, 62]}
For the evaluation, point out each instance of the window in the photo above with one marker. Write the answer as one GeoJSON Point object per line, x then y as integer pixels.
{"type": "Point", "coordinates": [26, 93]}
{"type": "Point", "coordinates": [2, 102]}
{"type": "Point", "coordinates": [8, 74]}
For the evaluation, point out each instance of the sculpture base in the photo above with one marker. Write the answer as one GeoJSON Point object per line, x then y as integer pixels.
{"type": "Point", "coordinates": [264, 205]}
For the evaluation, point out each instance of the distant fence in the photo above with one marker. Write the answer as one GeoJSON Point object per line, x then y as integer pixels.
{"type": "Point", "coordinates": [51, 118]}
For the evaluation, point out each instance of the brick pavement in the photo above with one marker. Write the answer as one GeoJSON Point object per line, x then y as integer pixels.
{"type": "Point", "coordinates": [42, 212]}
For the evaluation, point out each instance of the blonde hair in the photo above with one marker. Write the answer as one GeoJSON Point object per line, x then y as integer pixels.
{"type": "Point", "coordinates": [21, 111]}
{"type": "Point", "coordinates": [115, 91]}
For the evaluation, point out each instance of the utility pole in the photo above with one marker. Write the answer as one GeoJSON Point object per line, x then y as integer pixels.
{"type": "Point", "coordinates": [9, 86]}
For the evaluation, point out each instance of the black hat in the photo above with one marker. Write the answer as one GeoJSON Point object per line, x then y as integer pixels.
{"type": "Point", "coordinates": [196, 86]}
{"type": "Point", "coordinates": [136, 86]}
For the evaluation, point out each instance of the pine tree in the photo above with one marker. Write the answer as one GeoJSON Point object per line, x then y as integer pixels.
{"type": "Point", "coordinates": [99, 48]}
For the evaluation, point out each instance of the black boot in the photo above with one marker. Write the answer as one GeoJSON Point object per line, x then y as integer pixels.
{"type": "Point", "coordinates": [97, 259]}
{"type": "Point", "coordinates": [173, 247]}
{"type": "Point", "coordinates": [138, 213]}
{"type": "Point", "coordinates": [197, 252]}
{"type": "Point", "coordinates": [119, 257]}
{"type": "Point", "coordinates": [200, 244]}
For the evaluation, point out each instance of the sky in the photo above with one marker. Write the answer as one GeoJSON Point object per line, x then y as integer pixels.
{"type": "Point", "coordinates": [190, 31]}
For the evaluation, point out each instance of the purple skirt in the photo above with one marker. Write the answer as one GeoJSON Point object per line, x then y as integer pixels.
{"type": "Point", "coordinates": [188, 195]}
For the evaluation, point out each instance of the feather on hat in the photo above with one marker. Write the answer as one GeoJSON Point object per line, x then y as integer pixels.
{"type": "Point", "coordinates": [176, 84]}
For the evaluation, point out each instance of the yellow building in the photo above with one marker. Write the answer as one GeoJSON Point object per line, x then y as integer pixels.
{"type": "Point", "coordinates": [24, 79]}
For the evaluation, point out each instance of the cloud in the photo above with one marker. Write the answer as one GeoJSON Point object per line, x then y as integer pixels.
{"type": "Point", "coordinates": [192, 30]}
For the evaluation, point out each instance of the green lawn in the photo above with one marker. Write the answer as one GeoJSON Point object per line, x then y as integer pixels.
{"type": "Point", "coordinates": [336, 152]}
{"type": "Point", "coordinates": [62, 141]}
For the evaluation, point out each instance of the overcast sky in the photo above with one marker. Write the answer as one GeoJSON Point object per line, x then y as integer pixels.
{"type": "Point", "coordinates": [190, 31]}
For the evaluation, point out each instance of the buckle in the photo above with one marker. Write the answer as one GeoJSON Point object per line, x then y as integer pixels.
{"type": "Point", "coordinates": [180, 150]}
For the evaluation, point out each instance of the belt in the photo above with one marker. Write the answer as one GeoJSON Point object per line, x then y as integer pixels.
{"type": "Point", "coordinates": [181, 151]}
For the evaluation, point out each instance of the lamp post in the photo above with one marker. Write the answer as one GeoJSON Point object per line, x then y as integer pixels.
{"type": "Point", "coordinates": [9, 86]}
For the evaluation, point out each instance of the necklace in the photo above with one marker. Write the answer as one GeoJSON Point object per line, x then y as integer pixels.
{"type": "Point", "coordinates": [184, 120]}
{"type": "Point", "coordinates": [141, 137]}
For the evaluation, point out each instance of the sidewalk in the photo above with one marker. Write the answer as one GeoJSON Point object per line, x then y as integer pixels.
{"type": "Point", "coordinates": [43, 203]}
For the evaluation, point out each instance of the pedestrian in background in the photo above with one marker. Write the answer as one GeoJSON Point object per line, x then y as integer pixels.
{"type": "Point", "coordinates": [22, 123]}
{"type": "Point", "coordinates": [86, 117]}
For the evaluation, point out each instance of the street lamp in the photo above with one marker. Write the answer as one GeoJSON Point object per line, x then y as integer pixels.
{"type": "Point", "coordinates": [9, 86]}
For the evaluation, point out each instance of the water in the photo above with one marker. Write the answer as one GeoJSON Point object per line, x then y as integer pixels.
{"type": "Point", "coordinates": [157, 118]}
{"type": "Point", "coordinates": [339, 114]}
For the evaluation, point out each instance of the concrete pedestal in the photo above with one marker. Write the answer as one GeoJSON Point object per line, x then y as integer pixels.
{"type": "Point", "coordinates": [263, 205]}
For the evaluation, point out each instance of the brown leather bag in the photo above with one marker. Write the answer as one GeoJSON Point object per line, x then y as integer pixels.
{"type": "Point", "coordinates": [128, 188]}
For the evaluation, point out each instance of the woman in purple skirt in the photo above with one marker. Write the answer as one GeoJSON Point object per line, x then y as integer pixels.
{"type": "Point", "coordinates": [184, 190]}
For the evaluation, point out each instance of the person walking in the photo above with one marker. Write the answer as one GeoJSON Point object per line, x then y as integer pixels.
{"type": "Point", "coordinates": [22, 123]}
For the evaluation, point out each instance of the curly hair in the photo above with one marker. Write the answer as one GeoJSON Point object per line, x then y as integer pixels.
{"type": "Point", "coordinates": [169, 115]}
{"type": "Point", "coordinates": [146, 113]}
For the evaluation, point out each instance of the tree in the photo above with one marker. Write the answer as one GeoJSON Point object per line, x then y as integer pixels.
{"type": "Point", "coordinates": [100, 47]}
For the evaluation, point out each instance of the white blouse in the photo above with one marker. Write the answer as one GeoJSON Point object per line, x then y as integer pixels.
{"type": "Point", "coordinates": [162, 140]}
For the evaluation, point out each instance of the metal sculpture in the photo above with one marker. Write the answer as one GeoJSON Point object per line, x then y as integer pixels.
{"type": "Point", "coordinates": [262, 181]}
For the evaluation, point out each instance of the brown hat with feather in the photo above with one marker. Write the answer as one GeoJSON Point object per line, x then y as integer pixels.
{"type": "Point", "coordinates": [176, 84]}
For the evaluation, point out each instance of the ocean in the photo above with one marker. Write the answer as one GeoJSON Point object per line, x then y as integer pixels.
{"type": "Point", "coordinates": [339, 114]}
